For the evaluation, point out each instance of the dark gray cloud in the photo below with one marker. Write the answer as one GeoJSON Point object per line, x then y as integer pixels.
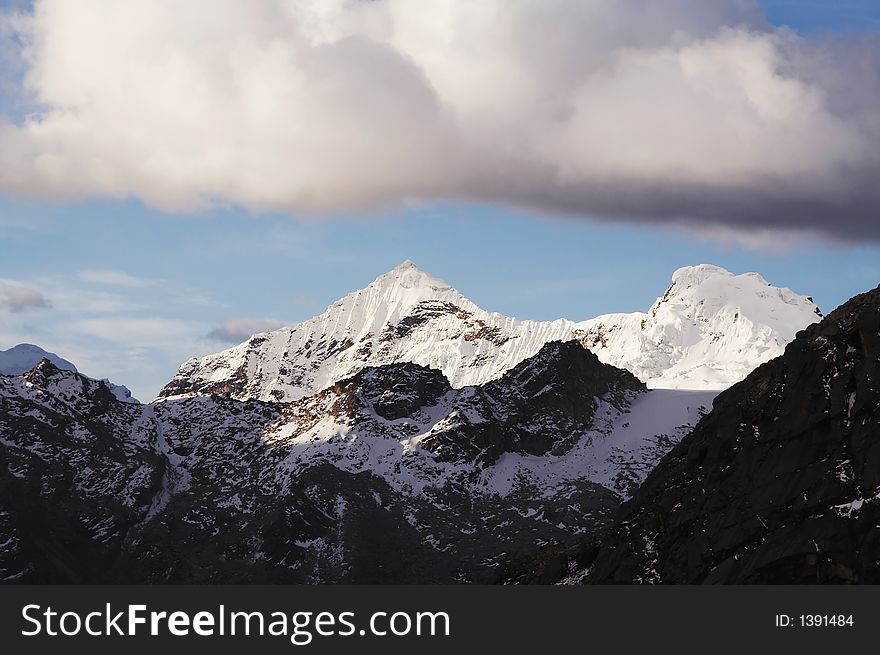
{"type": "Point", "coordinates": [681, 112]}
{"type": "Point", "coordinates": [237, 330]}
{"type": "Point", "coordinates": [17, 297]}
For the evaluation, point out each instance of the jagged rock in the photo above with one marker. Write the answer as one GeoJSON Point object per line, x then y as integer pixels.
{"type": "Point", "coordinates": [70, 488]}
{"type": "Point", "coordinates": [396, 391]}
{"type": "Point", "coordinates": [543, 405]}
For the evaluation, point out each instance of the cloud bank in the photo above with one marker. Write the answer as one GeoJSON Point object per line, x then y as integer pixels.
{"type": "Point", "coordinates": [693, 112]}
{"type": "Point", "coordinates": [236, 330]}
{"type": "Point", "coordinates": [17, 297]}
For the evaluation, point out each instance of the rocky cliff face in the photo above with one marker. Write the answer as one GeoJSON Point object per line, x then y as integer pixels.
{"type": "Point", "coordinates": [542, 406]}
{"type": "Point", "coordinates": [779, 483]}
{"type": "Point", "coordinates": [390, 475]}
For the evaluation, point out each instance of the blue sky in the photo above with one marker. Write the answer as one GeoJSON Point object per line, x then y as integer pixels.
{"type": "Point", "coordinates": [133, 290]}
{"type": "Point", "coordinates": [823, 15]}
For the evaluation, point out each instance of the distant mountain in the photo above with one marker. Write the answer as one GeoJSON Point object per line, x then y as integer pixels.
{"type": "Point", "coordinates": [779, 483]}
{"type": "Point", "coordinates": [706, 332]}
{"type": "Point", "coordinates": [25, 356]}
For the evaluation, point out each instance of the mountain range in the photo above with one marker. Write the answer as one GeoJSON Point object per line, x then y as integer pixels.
{"type": "Point", "coordinates": [709, 330]}
{"type": "Point", "coordinates": [404, 435]}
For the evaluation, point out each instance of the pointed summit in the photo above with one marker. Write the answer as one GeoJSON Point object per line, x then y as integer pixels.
{"type": "Point", "coordinates": [407, 275]}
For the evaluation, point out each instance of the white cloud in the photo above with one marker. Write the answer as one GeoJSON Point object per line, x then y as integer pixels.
{"type": "Point", "coordinates": [72, 299]}
{"type": "Point", "coordinates": [143, 332]}
{"type": "Point", "coordinates": [239, 329]}
{"type": "Point", "coordinates": [113, 278]}
{"type": "Point", "coordinates": [17, 297]}
{"type": "Point", "coordinates": [689, 111]}
{"type": "Point", "coordinates": [132, 293]}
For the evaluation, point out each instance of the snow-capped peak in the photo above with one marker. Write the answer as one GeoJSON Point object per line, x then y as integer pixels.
{"type": "Point", "coordinates": [408, 273]}
{"type": "Point", "coordinates": [404, 315]}
{"type": "Point", "coordinates": [708, 330]}
{"type": "Point", "coordinates": [707, 282]}
{"type": "Point", "coordinates": [704, 290]}
{"type": "Point", "coordinates": [405, 285]}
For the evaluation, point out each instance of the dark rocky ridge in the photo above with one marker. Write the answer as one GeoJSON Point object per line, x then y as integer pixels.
{"type": "Point", "coordinates": [780, 483]}
{"type": "Point", "coordinates": [540, 406]}
{"type": "Point", "coordinates": [213, 489]}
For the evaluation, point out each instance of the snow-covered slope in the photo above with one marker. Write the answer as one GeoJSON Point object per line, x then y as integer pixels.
{"type": "Point", "coordinates": [708, 331]}
{"type": "Point", "coordinates": [25, 356]}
